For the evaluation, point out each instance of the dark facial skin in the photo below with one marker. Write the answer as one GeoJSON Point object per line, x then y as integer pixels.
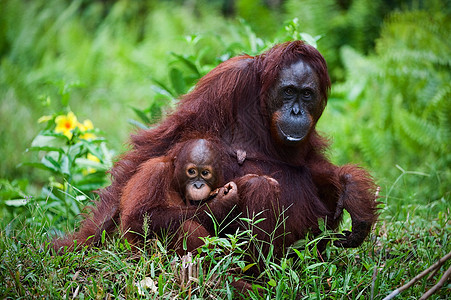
{"type": "Point", "coordinates": [295, 104]}
{"type": "Point", "coordinates": [198, 173]}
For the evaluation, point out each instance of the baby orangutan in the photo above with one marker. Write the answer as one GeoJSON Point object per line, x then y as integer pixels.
{"type": "Point", "coordinates": [198, 174]}
{"type": "Point", "coordinates": [178, 193]}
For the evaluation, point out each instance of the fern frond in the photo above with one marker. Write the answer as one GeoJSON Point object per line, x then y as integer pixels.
{"type": "Point", "coordinates": [420, 130]}
{"type": "Point", "coordinates": [416, 38]}
{"type": "Point", "coordinates": [374, 144]}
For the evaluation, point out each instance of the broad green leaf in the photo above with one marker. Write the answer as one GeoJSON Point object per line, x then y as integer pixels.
{"type": "Point", "coordinates": [137, 124]}
{"type": "Point", "coordinates": [87, 163]}
{"type": "Point", "coordinates": [160, 285]}
{"type": "Point", "coordinates": [65, 166]}
{"type": "Point", "coordinates": [165, 88]}
{"type": "Point", "coordinates": [272, 283]}
{"type": "Point", "coordinates": [248, 267]}
{"type": "Point", "coordinates": [177, 81]}
{"type": "Point", "coordinates": [16, 202]}
{"type": "Point", "coordinates": [312, 41]}
{"type": "Point", "coordinates": [50, 163]}
{"type": "Point", "coordinates": [93, 149]}
{"type": "Point", "coordinates": [162, 92]}
{"type": "Point", "coordinates": [314, 266]}
{"type": "Point", "coordinates": [38, 165]}
{"type": "Point", "coordinates": [46, 149]}
{"type": "Point", "coordinates": [141, 115]}
{"type": "Point", "coordinates": [54, 141]}
{"type": "Point", "coordinates": [188, 63]}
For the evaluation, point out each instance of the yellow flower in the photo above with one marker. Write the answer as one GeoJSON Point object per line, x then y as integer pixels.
{"type": "Point", "coordinates": [90, 170]}
{"type": "Point", "coordinates": [65, 124]}
{"type": "Point", "coordinates": [92, 158]}
{"type": "Point", "coordinates": [87, 125]}
{"type": "Point", "coordinates": [88, 136]}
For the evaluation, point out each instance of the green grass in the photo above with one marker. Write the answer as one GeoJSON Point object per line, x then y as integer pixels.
{"type": "Point", "coordinates": [399, 248]}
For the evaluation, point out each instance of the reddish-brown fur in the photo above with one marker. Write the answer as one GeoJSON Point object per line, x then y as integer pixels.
{"type": "Point", "coordinates": [154, 191]}
{"type": "Point", "coordinates": [230, 103]}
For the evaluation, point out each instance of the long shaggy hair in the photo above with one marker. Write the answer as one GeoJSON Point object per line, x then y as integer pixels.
{"type": "Point", "coordinates": [230, 103]}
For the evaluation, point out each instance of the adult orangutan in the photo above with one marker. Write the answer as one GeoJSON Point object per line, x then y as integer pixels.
{"type": "Point", "coordinates": [265, 107]}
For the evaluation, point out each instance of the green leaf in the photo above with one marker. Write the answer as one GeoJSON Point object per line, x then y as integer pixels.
{"type": "Point", "coordinates": [314, 266]}
{"type": "Point", "coordinates": [160, 285]}
{"type": "Point", "coordinates": [162, 92]}
{"type": "Point", "coordinates": [51, 141]}
{"type": "Point", "coordinates": [16, 202]}
{"type": "Point", "coordinates": [93, 149]}
{"type": "Point", "coordinates": [272, 283]}
{"type": "Point", "coordinates": [87, 163]}
{"type": "Point", "coordinates": [420, 130]}
{"type": "Point", "coordinates": [141, 115]}
{"type": "Point", "coordinates": [46, 149]}
{"type": "Point", "coordinates": [321, 224]}
{"type": "Point", "coordinates": [332, 270]}
{"type": "Point", "coordinates": [77, 149]}
{"type": "Point", "coordinates": [51, 164]}
{"type": "Point", "coordinates": [165, 89]}
{"type": "Point", "coordinates": [48, 193]}
{"type": "Point", "coordinates": [127, 245]}
{"type": "Point", "coordinates": [259, 220]}
{"type": "Point", "coordinates": [65, 169]}
{"type": "Point", "coordinates": [155, 109]}
{"type": "Point", "coordinates": [138, 124]}
{"type": "Point", "coordinates": [188, 63]}
{"type": "Point", "coordinates": [294, 276]}
{"type": "Point", "coordinates": [37, 165]}
{"type": "Point", "coordinates": [248, 267]}
{"type": "Point", "coordinates": [90, 186]}
{"type": "Point", "coordinates": [312, 41]}
{"type": "Point", "coordinates": [177, 81]}
{"type": "Point", "coordinates": [13, 189]}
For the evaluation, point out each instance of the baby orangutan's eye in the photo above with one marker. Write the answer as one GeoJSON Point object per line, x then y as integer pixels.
{"type": "Point", "coordinates": [206, 174]}
{"type": "Point", "coordinates": [191, 172]}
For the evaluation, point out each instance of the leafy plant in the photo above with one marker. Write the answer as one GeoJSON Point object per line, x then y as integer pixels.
{"type": "Point", "coordinates": [74, 156]}
{"type": "Point", "coordinates": [355, 23]}
{"type": "Point", "coordinates": [401, 96]}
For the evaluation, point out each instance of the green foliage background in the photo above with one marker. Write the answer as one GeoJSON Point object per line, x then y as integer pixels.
{"type": "Point", "coordinates": [389, 61]}
{"type": "Point", "coordinates": [123, 64]}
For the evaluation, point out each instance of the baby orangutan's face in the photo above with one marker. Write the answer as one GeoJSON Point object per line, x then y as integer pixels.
{"type": "Point", "coordinates": [199, 173]}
